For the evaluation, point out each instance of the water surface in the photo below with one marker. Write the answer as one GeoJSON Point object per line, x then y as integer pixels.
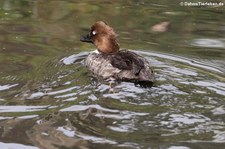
{"type": "Point", "coordinates": [48, 99]}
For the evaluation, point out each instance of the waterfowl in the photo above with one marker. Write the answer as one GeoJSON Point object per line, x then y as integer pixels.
{"type": "Point", "coordinates": [112, 63]}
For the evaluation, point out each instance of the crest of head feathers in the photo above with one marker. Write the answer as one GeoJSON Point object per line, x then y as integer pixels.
{"type": "Point", "coordinates": [104, 37]}
{"type": "Point", "coordinates": [101, 27]}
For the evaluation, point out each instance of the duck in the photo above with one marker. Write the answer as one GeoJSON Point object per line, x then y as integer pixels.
{"type": "Point", "coordinates": [109, 62]}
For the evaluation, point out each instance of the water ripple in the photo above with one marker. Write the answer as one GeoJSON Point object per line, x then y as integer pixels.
{"type": "Point", "coordinates": [186, 100]}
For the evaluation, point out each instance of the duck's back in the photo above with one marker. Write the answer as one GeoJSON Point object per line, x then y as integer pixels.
{"type": "Point", "coordinates": [123, 66]}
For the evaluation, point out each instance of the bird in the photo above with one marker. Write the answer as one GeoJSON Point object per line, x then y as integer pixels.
{"type": "Point", "coordinates": [110, 62]}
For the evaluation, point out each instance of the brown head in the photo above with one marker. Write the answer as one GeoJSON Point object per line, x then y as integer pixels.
{"type": "Point", "coordinates": [103, 37]}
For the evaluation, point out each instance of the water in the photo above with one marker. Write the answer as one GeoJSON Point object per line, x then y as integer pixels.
{"type": "Point", "coordinates": [48, 99]}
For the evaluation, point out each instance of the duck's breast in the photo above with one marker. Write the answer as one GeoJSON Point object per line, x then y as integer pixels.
{"type": "Point", "coordinates": [100, 66]}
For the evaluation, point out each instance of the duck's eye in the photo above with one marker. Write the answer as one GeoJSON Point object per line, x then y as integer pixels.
{"type": "Point", "coordinates": [94, 32]}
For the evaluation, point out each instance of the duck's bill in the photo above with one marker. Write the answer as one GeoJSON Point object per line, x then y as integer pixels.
{"type": "Point", "coordinates": [86, 38]}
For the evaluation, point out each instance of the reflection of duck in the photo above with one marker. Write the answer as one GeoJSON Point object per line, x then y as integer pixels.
{"type": "Point", "coordinates": [112, 63]}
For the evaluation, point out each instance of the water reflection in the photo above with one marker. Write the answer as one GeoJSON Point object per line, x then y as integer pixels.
{"type": "Point", "coordinates": [5, 87]}
{"type": "Point", "coordinates": [215, 86]}
{"type": "Point", "coordinates": [133, 103]}
{"type": "Point", "coordinates": [209, 43]}
{"type": "Point", "coordinates": [48, 99]}
{"type": "Point", "coordinates": [21, 108]}
{"type": "Point", "coordinates": [73, 58]}
{"type": "Point", "coordinates": [178, 147]}
{"type": "Point", "coordinates": [127, 108]}
{"type": "Point", "coordinates": [16, 146]}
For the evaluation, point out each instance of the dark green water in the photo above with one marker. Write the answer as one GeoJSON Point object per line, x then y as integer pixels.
{"type": "Point", "coordinates": [49, 100]}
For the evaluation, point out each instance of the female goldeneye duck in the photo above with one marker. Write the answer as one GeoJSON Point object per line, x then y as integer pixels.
{"type": "Point", "coordinates": [111, 62]}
